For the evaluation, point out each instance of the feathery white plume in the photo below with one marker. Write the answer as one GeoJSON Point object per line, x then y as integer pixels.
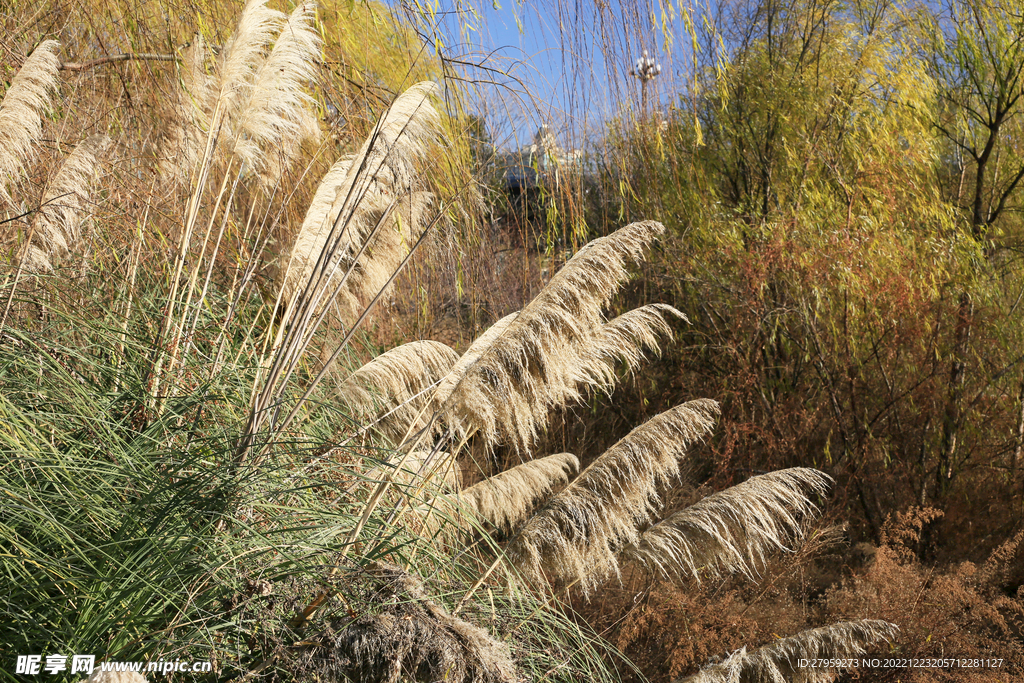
{"type": "Point", "coordinates": [316, 224]}
{"type": "Point", "coordinates": [273, 119]}
{"type": "Point", "coordinates": [403, 223]}
{"type": "Point", "coordinates": [476, 350]}
{"type": "Point", "coordinates": [57, 225]}
{"type": "Point", "coordinates": [318, 216]}
{"type": "Point", "coordinates": [779, 661]}
{"type": "Point", "coordinates": [244, 53]}
{"type": "Point", "coordinates": [22, 108]}
{"type": "Point", "coordinates": [379, 188]}
{"type": "Point", "coordinates": [185, 135]}
{"type": "Point", "coordinates": [623, 340]}
{"type": "Point", "coordinates": [732, 530]}
{"type": "Point", "coordinates": [398, 384]}
{"type": "Point", "coordinates": [579, 531]}
{"type": "Point", "coordinates": [507, 498]}
{"type": "Point", "coordinates": [535, 365]}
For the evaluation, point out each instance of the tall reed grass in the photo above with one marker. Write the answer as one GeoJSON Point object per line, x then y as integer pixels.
{"type": "Point", "coordinates": [196, 468]}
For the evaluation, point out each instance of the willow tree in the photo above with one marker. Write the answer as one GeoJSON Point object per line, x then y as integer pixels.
{"type": "Point", "coordinates": [975, 52]}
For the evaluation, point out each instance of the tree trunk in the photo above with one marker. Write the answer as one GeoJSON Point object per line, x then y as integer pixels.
{"type": "Point", "coordinates": [954, 406]}
{"type": "Point", "coordinates": [1019, 450]}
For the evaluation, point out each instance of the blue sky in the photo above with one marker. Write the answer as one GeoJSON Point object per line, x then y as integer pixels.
{"type": "Point", "coordinates": [533, 42]}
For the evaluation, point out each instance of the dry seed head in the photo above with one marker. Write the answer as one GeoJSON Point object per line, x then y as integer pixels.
{"type": "Point", "coordinates": [732, 530]}
{"type": "Point", "coordinates": [274, 118]}
{"type": "Point", "coordinates": [434, 470]}
{"type": "Point", "coordinates": [411, 637]}
{"type": "Point", "coordinates": [387, 160]}
{"type": "Point", "coordinates": [431, 471]}
{"type": "Point", "coordinates": [398, 384]}
{"type": "Point", "coordinates": [476, 350]}
{"type": "Point", "coordinates": [244, 53]}
{"type": "Point", "coordinates": [402, 225]}
{"type": "Point", "coordinates": [21, 111]}
{"type": "Point", "coordinates": [535, 365]}
{"type": "Point", "coordinates": [378, 188]}
{"type": "Point", "coordinates": [623, 340]}
{"type": "Point", "coordinates": [779, 662]}
{"type": "Point", "coordinates": [57, 225]}
{"type": "Point", "coordinates": [579, 531]}
{"type": "Point", "coordinates": [318, 216]}
{"type": "Point", "coordinates": [185, 136]}
{"type": "Point", "coordinates": [506, 499]}
{"type": "Point", "coordinates": [316, 225]}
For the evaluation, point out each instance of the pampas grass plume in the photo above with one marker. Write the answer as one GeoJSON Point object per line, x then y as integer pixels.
{"type": "Point", "coordinates": [243, 53]}
{"type": "Point", "coordinates": [396, 385]}
{"type": "Point", "coordinates": [274, 118]}
{"type": "Point", "coordinates": [732, 530]}
{"type": "Point", "coordinates": [507, 498]}
{"type": "Point", "coordinates": [623, 340]}
{"type": "Point", "coordinates": [480, 346]}
{"type": "Point", "coordinates": [535, 365]}
{"type": "Point", "coordinates": [378, 189]}
{"type": "Point", "coordinates": [579, 531]}
{"type": "Point", "coordinates": [21, 110]}
{"type": "Point", "coordinates": [778, 662]}
{"type": "Point", "coordinates": [57, 225]}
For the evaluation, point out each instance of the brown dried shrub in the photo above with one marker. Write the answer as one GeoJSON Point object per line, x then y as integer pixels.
{"type": "Point", "coordinates": [409, 637]}
{"type": "Point", "coordinates": [960, 610]}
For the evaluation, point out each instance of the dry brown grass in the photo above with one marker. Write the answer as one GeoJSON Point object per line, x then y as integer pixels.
{"type": "Point", "coordinates": [409, 637]}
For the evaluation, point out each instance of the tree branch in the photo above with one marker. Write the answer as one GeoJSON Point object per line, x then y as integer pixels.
{"type": "Point", "coordinates": [1009, 190]}
{"type": "Point", "coordinates": [92, 64]}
